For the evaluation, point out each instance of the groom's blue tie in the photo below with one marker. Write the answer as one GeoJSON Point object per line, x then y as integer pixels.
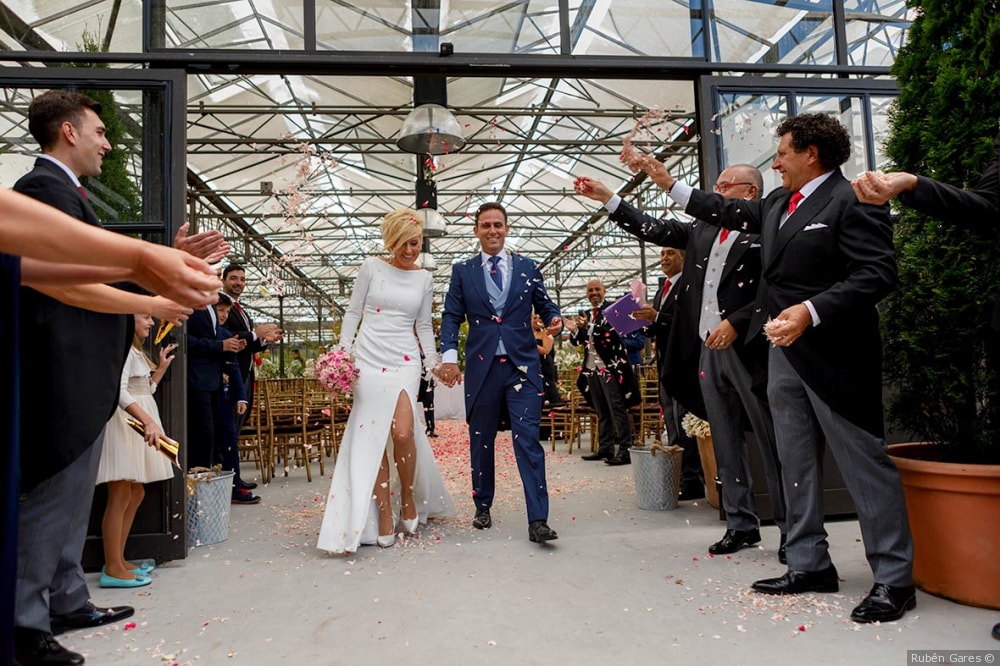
{"type": "Point", "coordinates": [495, 272]}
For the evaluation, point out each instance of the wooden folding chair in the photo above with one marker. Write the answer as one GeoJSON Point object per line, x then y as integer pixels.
{"type": "Point", "coordinates": [562, 422]}
{"type": "Point", "coordinates": [294, 437]}
{"type": "Point", "coordinates": [252, 441]}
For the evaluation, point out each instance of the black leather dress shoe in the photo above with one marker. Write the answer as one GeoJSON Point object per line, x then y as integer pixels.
{"type": "Point", "coordinates": [782, 551]}
{"type": "Point", "coordinates": [996, 631]}
{"type": "Point", "coordinates": [885, 603]}
{"type": "Point", "coordinates": [620, 459]}
{"type": "Point", "coordinates": [691, 492]}
{"type": "Point", "coordinates": [482, 521]}
{"type": "Point", "coordinates": [540, 532]}
{"type": "Point", "coordinates": [40, 648]}
{"type": "Point", "coordinates": [89, 615]}
{"type": "Point", "coordinates": [733, 540]}
{"type": "Point", "coordinates": [797, 582]}
{"type": "Point", "coordinates": [246, 485]}
{"type": "Point", "coordinates": [597, 455]}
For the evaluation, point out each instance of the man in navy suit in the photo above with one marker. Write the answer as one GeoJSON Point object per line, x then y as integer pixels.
{"type": "Point", "coordinates": [497, 292]}
{"type": "Point", "coordinates": [827, 260]}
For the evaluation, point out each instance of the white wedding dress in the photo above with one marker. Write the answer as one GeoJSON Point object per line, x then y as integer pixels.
{"type": "Point", "coordinates": [386, 301]}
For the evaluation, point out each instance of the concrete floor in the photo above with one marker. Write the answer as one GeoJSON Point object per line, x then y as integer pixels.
{"type": "Point", "coordinates": [622, 584]}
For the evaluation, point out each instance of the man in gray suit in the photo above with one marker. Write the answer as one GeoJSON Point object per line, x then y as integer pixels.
{"type": "Point", "coordinates": [827, 261]}
{"type": "Point", "coordinates": [60, 456]}
{"type": "Point", "coordinates": [708, 364]}
{"type": "Point", "coordinates": [76, 360]}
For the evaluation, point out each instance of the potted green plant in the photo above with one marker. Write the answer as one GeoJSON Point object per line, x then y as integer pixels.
{"type": "Point", "coordinates": [936, 326]}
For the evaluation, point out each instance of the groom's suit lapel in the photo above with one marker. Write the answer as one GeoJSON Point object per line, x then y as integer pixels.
{"type": "Point", "coordinates": [478, 280]}
{"type": "Point", "coordinates": [515, 273]}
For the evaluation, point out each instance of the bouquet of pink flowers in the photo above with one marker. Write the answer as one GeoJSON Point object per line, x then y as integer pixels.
{"type": "Point", "coordinates": [336, 371]}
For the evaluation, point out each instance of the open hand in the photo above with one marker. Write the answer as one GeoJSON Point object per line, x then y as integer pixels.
{"type": "Point", "coordinates": [164, 308]}
{"type": "Point", "coordinates": [208, 245]}
{"type": "Point", "coordinates": [177, 275]}
{"type": "Point", "coordinates": [167, 355]}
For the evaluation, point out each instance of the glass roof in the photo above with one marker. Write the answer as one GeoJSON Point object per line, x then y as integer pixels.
{"type": "Point", "coordinates": [300, 168]}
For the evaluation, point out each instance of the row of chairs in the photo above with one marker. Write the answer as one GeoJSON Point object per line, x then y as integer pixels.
{"type": "Point", "coordinates": [293, 423]}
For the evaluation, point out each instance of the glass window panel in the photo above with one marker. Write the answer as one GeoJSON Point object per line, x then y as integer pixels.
{"type": "Point", "coordinates": [472, 26]}
{"type": "Point", "coordinates": [636, 27]}
{"type": "Point", "coordinates": [794, 32]}
{"type": "Point", "coordinates": [126, 192]}
{"type": "Point", "coordinates": [234, 24]}
{"type": "Point", "coordinates": [745, 127]}
{"type": "Point", "coordinates": [875, 30]}
{"type": "Point", "coordinates": [880, 129]}
{"type": "Point", "coordinates": [363, 25]}
{"type": "Point", "coordinates": [850, 111]}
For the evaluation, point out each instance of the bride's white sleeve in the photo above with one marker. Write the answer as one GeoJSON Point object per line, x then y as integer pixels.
{"type": "Point", "coordinates": [356, 308]}
{"type": "Point", "coordinates": [425, 330]}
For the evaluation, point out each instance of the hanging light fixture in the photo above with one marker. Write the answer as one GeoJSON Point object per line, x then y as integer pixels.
{"type": "Point", "coordinates": [427, 261]}
{"type": "Point", "coordinates": [433, 222]}
{"type": "Point", "coordinates": [426, 207]}
{"type": "Point", "coordinates": [430, 129]}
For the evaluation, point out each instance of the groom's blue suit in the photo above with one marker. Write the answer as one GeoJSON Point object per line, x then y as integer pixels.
{"type": "Point", "coordinates": [494, 380]}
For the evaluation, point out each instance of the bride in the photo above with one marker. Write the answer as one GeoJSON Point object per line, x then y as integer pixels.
{"type": "Point", "coordinates": [367, 493]}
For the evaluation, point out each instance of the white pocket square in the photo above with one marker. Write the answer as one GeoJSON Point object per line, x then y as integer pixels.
{"type": "Point", "coordinates": [815, 225]}
{"type": "Point", "coordinates": [754, 244]}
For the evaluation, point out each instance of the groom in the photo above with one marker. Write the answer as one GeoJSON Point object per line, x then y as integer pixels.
{"type": "Point", "coordinates": [497, 291]}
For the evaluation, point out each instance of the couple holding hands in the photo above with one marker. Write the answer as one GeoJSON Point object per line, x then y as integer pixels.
{"type": "Point", "coordinates": [496, 292]}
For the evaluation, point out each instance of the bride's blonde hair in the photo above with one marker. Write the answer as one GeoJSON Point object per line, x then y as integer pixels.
{"type": "Point", "coordinates": [400, 226]}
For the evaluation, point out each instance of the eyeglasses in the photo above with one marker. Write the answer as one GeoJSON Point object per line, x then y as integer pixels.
{"type": "Point", "coordinates": [722, 188]}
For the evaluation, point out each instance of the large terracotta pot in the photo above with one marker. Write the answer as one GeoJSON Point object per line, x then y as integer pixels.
{"type": "Point", "coordinates": [954, 512]}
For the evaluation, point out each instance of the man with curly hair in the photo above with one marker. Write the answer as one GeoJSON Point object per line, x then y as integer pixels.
{"type": "Point", "coordinates": [827, 260]}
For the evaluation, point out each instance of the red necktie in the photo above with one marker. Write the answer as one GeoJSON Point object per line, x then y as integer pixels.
{"type": "Point", "coordinates": [723, 235]}
{"type": "Point", "coordinates": [243, 316]}
{"type": "Point", "coordinates": [83, 192]}
{"type": "Point", "coordinates": [793, 203]}
{"type": "Point", "coordinates": [593, 315]}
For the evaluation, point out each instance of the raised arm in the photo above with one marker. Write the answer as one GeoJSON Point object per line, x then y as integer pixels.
{"type": "Point", "coordinates": [37, 231]}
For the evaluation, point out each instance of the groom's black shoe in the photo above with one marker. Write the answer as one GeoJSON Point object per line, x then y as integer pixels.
{"type": "Point", "coordinates": [482, 521]}
{"type": "Point", "coordinates": [540, 532]}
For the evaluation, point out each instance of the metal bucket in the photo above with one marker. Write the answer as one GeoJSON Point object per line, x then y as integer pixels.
{"type": "Point", "coordinates": [209, 501]}
{"type": "Point", "coordinates": [657, 473]}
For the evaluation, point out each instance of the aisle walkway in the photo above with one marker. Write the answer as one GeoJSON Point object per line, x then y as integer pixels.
{"type": "Point", "coordinates": [620, 584]}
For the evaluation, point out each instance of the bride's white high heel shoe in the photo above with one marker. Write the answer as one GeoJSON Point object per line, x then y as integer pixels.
{"type": "Point", "coordinates": [386, 541]}
{"type": "Point", "coordinates": [410, 524]}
